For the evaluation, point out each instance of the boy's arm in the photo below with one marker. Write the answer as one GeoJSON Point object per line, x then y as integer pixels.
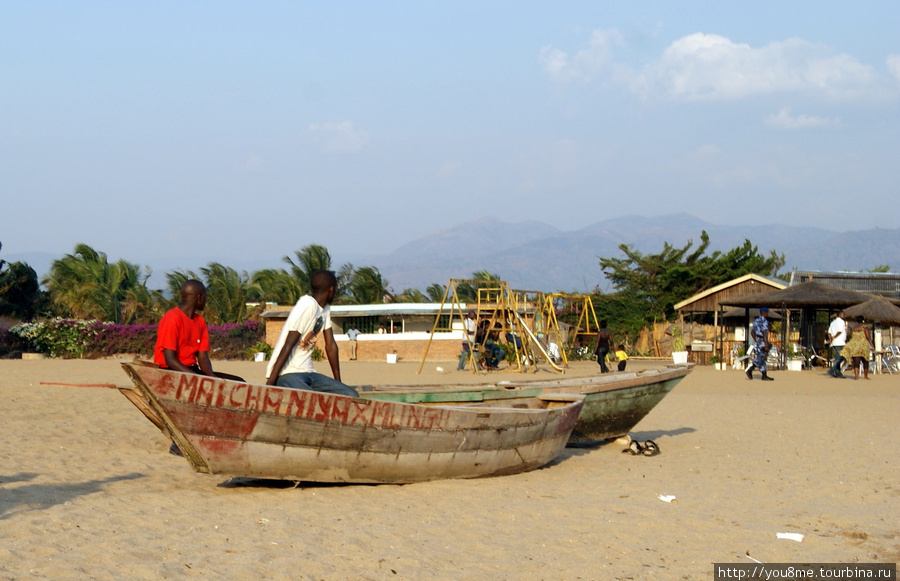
{"type": "Point", "coordinates": [331, 350]}
{"type": "Point", "coordinates": [205, 364]}
{"type": "Point", "coordinates": [293, 337]}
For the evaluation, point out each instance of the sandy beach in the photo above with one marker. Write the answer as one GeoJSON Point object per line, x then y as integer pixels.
{"type": "Point", "coordinates": [88, 490]}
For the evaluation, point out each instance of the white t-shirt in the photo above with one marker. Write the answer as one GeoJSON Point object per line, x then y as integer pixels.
{"type": "Point", "coordinates": [838, 330]}
{"type": "Point", "coordinates": [306, 316]}
{"type": "Point", "coordinates": [470, 328]}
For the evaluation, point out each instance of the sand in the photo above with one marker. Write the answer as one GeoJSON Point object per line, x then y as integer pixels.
{"type": "Point", "coordinates": [88, 490]}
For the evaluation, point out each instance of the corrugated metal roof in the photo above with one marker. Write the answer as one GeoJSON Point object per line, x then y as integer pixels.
{"type": "Point", "coordinates": [886, 284]}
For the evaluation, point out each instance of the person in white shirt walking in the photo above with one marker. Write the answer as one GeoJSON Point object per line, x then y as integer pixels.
{"type": "Point", "coordinates": [837, 336]}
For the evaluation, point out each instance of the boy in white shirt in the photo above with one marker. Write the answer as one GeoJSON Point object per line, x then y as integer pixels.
{"type": "Point", "coordinates": [291, 364]}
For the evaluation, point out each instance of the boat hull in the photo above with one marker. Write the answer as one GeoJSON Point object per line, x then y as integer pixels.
{"type": "Point", "coordinates": [614, 402]}
{"type": "Point", "coordinates": [240, 429]}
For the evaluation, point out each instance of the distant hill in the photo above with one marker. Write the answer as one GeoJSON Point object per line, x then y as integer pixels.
{"type": "Point", "coordinates": [536, 256]}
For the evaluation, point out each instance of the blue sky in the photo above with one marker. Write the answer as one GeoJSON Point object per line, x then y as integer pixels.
{"type": "Point", "coordinates": [189, 132]}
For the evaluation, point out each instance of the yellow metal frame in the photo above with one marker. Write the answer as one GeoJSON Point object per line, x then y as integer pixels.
{"type": "Point", "coordinates": [500, 306]}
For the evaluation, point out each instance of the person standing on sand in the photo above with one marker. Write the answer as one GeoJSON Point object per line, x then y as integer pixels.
{"type": "Point", "coordinates": [837, 336]}
{"type": "Point", "coordinates": [469, 324]}
{"type": "Point", "coordinates": [602, 349]}
{"type": "Point", "coordinates": [291, 364]}
{"type": "Point", "coordinates": [352, 335]}
{"type": "Point", "coordinates": [760, 333]}
{"type": "Point", "coordinates": [858, 348]}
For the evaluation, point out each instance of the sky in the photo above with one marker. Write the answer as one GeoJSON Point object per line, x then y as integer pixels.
{"type": "Point", "coordinates": [190, 132]}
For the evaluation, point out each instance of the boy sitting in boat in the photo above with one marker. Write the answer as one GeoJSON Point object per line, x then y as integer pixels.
{"type": "Point", "coordinates": [291, 364]}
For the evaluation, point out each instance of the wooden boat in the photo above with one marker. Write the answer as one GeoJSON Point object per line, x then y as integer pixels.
{"type": "Point", "coordinates": [614, 402]}
{"type": "Point", "coordinates": [259, 431]}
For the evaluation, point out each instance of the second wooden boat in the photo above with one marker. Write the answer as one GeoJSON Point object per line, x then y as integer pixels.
{"type": "Point", "coordinates": [614, 402]}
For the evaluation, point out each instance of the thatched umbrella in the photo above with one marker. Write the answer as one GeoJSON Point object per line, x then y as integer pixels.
{"type": "Point", "coordinates": [877, 309]}
{"type": "Point", "coordinates": [813, 294]}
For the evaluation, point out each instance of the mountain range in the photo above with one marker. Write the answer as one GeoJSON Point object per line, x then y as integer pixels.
{"type": "Point", "coordinates": [537, 256]}
{"type": "Point", "coordinates": [534, 255]}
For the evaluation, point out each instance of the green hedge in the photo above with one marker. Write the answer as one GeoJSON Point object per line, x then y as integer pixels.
{"type": "Point", "coordinates": [67, 338]}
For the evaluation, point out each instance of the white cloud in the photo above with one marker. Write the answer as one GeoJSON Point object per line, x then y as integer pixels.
{"type": "Point", "coordinates": [784, 120]}
{"type": "Point", "coordinates": [340, 137]}
{"type": "Point", "coordinates": [893, 65]}
{"type": "Point", "coordinates": [712, 67]}
{"type": "Point", "coordinates": [707, 67]}
{"type": "Point", "coordinates": [586, 63]}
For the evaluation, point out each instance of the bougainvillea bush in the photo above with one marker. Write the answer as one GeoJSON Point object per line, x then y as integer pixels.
{"type": "Point", "coordinates": [67, 338]}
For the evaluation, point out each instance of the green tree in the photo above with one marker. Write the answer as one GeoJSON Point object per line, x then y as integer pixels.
{"type": "Point", "coordinates": [20, 293]}
{"type": "Point", "coordinates": [308, 260]}
{"type": "Point", "coordinates": [366, 287]}
{"type": "Point", "coordinates": [468, 291]}
{"type": "Point", "coordinates": [411, 295]}
{"type": "Point", "coordinates": [275, 285]}
{"type": "Point", "coordinates": [142, 306]}
{"type": "Point", "coordinates": [84, 285]}
{"type": "Point", "coordinates": [227, 293]}
{"type": "Point", "coordinates": [174, 281]}
{"type": "Point", "coordinates": [651, 284]}
{"type": "Point", "coordinates": [435, 292]}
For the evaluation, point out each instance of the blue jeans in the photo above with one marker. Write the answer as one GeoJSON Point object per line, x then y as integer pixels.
{"type": "Point", "coordinates": [463, 357]}
{"type": "Point", "coordinates": [838, 359]}
{"type": "Point", "coordinates": [495, 353]}
{"type": "Point", "coordinates": [315, 382]}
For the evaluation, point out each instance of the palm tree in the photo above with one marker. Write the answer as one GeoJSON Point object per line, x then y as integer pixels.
{"type": "Point", "coordinates": [435, 292]}
{"type": "Point", "coordinates": [142, 306]}
{"type": "Point", "coordinates": [309, 259]}
{"type": "Point", "coordinates": [411, 295]}
{"type": "Point", "coordinates": [274, 285]}
{"type": "Point", "coordinates": [344, 277]}
{"type": "Point", "coordinates": [367, 286]}
{"type": "Point", "coordinates": [226, 293]}
{"type": "Point", "coordinates": [468, 292]}
{"type": "Point", "coordinates": [174, 282]}
{"type": "Point", "coordinates": [85, 286]}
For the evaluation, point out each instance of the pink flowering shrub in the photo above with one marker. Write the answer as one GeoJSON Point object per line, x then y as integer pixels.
{"type": "Point", "coordinates": [95, 339]}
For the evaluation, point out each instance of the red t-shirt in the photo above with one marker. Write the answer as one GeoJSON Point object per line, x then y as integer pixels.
{"type": "Point", "coordinates": [183, 335]}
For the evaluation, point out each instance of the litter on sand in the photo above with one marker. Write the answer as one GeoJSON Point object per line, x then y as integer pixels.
{"type": "Point", "coordinates": [666, 497]}
{"type": "Point", "coordinates": [790, 536]}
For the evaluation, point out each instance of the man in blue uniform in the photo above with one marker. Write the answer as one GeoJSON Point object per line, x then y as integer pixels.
{"type": "Point", "coordinates": [760, 334]}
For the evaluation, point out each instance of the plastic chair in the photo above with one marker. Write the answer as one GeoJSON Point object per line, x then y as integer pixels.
{"type": "Point", "coordinates": [812, 358]}
{"type": "Point", "coordinates": [891, 359]}
{"type": "Point", "coordinates": [737, 361]}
